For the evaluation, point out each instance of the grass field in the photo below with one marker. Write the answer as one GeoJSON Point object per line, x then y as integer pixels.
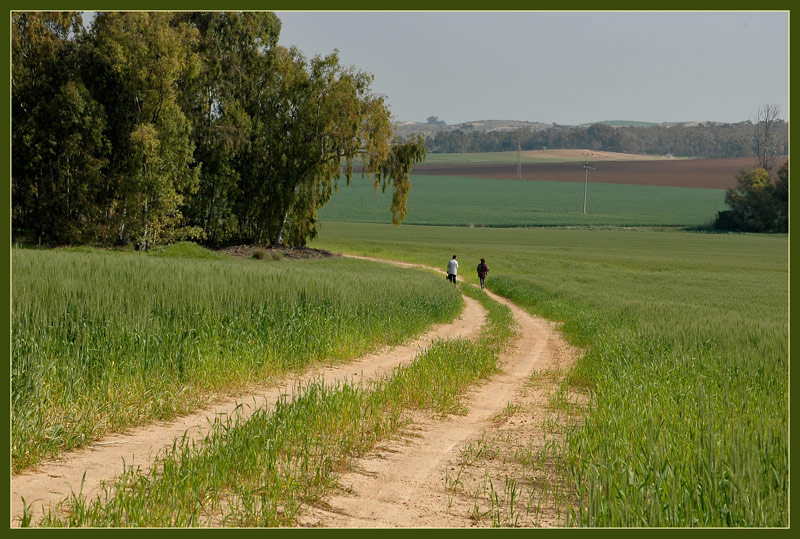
{"type": "Point", "coordinates": [686, 365]}
{"type": "Point", "coordinates": [260, 472]}
{"type": "Point", "coordinates": [447, 200]}
{"type": "Point", "coordinates": [102, 341]}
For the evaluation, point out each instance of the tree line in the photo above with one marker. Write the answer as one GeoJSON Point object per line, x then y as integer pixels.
{"type": "Point", "coordinates": [149, 127]}
{"type": "Point", "coordinates": [708, 140]}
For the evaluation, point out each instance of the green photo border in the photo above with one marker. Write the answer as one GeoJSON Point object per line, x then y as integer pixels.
{"type": "Point", "coordinates": [318, 5]}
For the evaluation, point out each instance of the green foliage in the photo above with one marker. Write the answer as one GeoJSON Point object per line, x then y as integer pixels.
{"type": "Point", "coordinates": [223, 105]}
{"type": "Point", "coordinates": [686, 338]}
{"type": "Point", "coordinates": [397, 170]}
{"type": "Point", "coordinates": [58, 140]}
{"type": "Point", "coordinates": [316, 114]}
{"type": "Point", "coordinates": [757, 203]}
{"type": "Point", "coordinates": [102, 341]}
{"type": "Point", "coordinates": [152, 127]}
{"type": "Point", "coordinates": [146, 59]}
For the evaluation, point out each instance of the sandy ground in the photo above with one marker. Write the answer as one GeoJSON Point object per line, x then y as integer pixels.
{"type": "Point", "coordinates": [460, 471]}
{"type": "Point", "coordinates": [52, 481]}
{"type": "Point", "coordinates": [423, 480]}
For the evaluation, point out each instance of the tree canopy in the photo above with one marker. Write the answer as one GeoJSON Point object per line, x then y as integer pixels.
{"type": "Point", "coordinates": [149, 127]}
{"type": "Point", "coordinates": [758, 204]}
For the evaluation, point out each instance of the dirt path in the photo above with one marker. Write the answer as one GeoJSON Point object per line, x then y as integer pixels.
{"type": "Point", "coordinates": [409, 482]}
{"type": "Point", "coordinates": [52, 481]}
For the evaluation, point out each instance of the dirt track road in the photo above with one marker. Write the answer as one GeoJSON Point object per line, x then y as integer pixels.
{"type": "Point", "coordinates": [52, 481]}
{"type": "Point", "coordinates": [400, 484]}
{"type": "Point", "coordinates": [404, 483]}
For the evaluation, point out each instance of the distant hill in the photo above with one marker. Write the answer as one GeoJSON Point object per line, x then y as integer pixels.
{"type": "Point", "coordinates": [623, 123]}
{"type": "Point", "coordinates": [632, 123]}
{"type": "Point", "coordinates": [404, 129]}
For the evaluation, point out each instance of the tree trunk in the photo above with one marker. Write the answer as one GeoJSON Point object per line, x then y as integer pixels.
{"type": "Point", "coordinates": [143, 245]}
{"type": "Point", "coordinates": [278, 240]}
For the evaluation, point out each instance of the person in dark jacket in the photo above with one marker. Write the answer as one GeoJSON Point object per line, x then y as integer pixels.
{"type": "Point", "coordinates": [483, 269]}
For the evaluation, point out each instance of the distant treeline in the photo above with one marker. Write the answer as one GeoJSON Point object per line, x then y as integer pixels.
{"type": "Point", "coordinates": [708, 140]}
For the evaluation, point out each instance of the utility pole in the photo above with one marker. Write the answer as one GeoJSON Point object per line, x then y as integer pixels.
{"type": "Point", "coordinates": [519, 161]}
{"type": "Point", "coordinates": [586, 167]}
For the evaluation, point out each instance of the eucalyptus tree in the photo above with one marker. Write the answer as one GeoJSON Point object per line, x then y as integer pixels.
{"type": "Point", "coordinates": [314, 118]}
{"type": "Point", "coordinates": [236, 54]}
{"type": "Point", "coordinates": [142, 62]}
{"type": "Point", "coordinates": [153, 126]}
{"type": "Point", "coordinates": [58, 142]}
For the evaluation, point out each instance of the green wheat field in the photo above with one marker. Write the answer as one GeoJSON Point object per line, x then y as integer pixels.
{"type": "Point", "coordinates": [685, 367]}
{"type": "Point", "coordinates": [686, 364]}
{"type": "Point", "coordinates": [450, 200]}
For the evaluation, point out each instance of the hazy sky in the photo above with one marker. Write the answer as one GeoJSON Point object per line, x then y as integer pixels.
{"type": "Point", "coordinates": [568, 68]}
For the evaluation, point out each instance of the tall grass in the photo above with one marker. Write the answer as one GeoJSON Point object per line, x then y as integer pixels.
{"type": "Point", "coordinates": [103, 341]}
{"type": "Point", "coordinates": [686, 364]}
{"type": "Point", "coordinates": [260, 471]}
{"type": "Point", "coordinates": [682, 431]}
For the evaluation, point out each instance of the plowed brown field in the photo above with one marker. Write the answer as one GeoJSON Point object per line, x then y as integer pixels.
{"type": "Point", "coordinates": [706, 173]}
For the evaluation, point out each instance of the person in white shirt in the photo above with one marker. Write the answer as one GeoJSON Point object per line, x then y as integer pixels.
{"type": "Point", "coordinates": [452, 270]}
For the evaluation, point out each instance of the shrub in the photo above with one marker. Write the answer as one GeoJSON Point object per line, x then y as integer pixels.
{"type": "Point", "coordinates": [757, 203]}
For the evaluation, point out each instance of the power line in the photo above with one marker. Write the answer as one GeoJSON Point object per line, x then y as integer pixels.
{"type": "Point", "coordinates": [586, 168]}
